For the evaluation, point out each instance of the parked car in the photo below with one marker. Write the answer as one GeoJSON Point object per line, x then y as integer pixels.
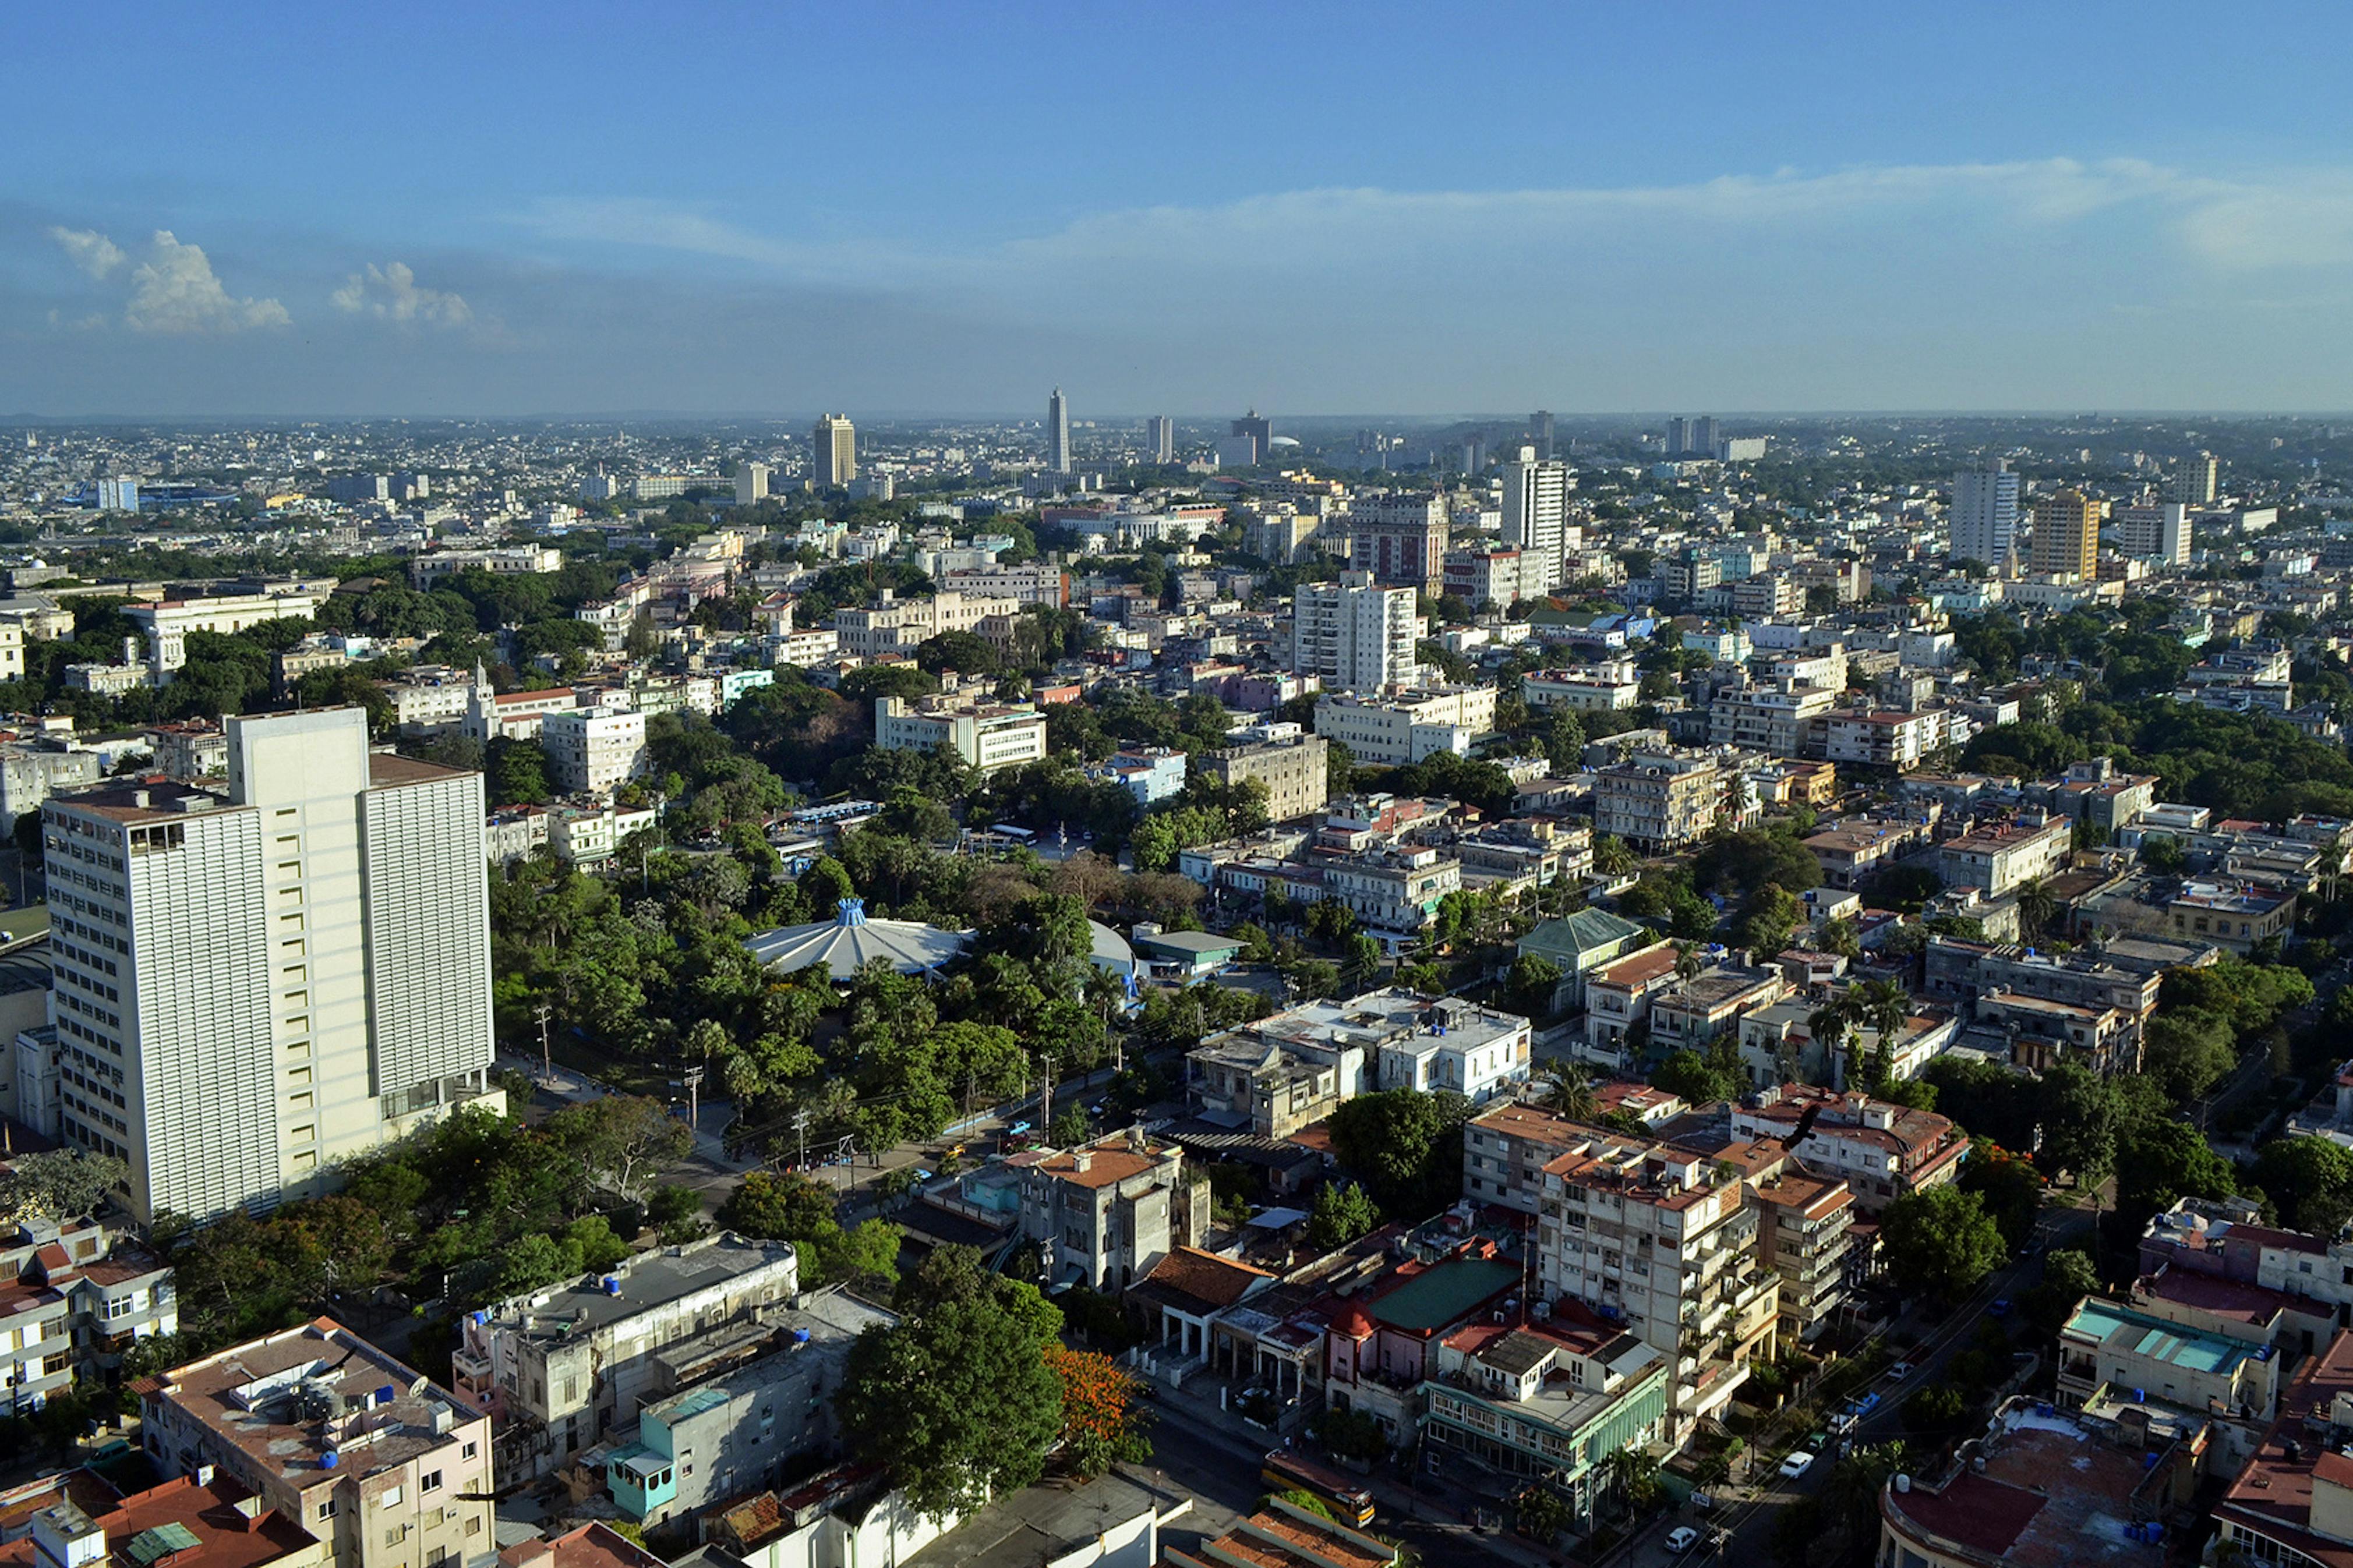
{"type": "Point", "coordinates": [1899, 1371]}
{"type": "Point", "coordinates": [1682, 1539]}
{"type": "Point", "coordinates": [1797, 1465]}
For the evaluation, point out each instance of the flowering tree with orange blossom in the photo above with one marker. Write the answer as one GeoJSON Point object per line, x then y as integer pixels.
{"type": "Point", "coordinates": [1102, 1423]}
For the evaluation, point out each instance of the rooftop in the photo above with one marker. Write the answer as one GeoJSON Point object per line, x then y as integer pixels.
{"type": "Point", "coordinates": [1445, 1293]}
{"type": "Point", "coordinates": [2052, 1494]}
{"type": "Point", "coordinates": [647, 1280]}
{"type": "Point", "coordinates": [2136, 1334]}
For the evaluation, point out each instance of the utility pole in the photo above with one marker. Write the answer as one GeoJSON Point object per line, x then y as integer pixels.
{"type": "Point", "coordinates": [1046, 1105]}
{"type": "Point", "coordinates": [801, 1127]}
{"type": "Point", "coordinates": [547, 1054]}
{"type": "Point", "coordinates": [694, 1101]}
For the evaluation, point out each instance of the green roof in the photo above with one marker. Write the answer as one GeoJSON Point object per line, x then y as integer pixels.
{"type": "Point", "coordinates": [1587, 930]}
{"type": "Point", "coordinates": [1445, 1294]}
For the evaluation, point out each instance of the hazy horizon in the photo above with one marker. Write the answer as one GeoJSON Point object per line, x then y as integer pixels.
{"type": "Point", "coordinates": [444, 212]}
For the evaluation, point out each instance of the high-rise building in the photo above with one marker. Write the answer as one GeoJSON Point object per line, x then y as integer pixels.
{"type": "Point", "coordinates": [1678, 435]}
{"type": "Point", "coordinates": [1399, 539]}
{"type": "Point", "coordinates": [1259, 431]}
{"type": "Point", "coordinates": [1356, 634]}
{"type": "Point", "coordinates": [351, 488]}
{"type": "Point", "coordinates": [2154, 530]}
{"type": "Point", "coordinates": [2067, 536]}
{"type": "Point", "coordinates": [254, 985]}
{"type": "Point", "coordinates": [118, 495]}
{"type": "Point", "coordinates": [1984, 520]}
{"type": "Point", "coordinates": [2198, 480]}
{"type": "Point", "coordinates": [1704, 436]}
{"type": "Point", "coordinates": [751, 483]}
{"type": "Point", "coordinates": [834, 460]}
{"type": "Point", "coordinates": [1160, 435]}
{"type": "Point", "coordinates": [1540, 433]}
{"type": "Point", "coordinates": [1058, 433]}
{"type": "Point", "coordinates": [1535, 516]}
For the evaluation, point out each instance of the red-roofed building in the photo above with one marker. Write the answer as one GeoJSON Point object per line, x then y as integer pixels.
{"type": "Point", "coordinates": [187, 1522]}
{"type": "Point", "coordinates": [2293, 1501]}
{"type": "Point", "coordinates": [594, 1545]}
{"type": "Point", "coordinates": [2040, 1491]}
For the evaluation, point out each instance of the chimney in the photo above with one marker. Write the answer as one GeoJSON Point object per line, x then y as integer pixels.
{"type": "Point", "coordinates": [1080, 1159]}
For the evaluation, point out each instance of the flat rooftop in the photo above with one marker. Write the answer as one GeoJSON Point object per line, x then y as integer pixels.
{"type": "Point", "coordinates": [647, 1280]}
{"type": "Point", "coordinates": [1444, 1293]}
{"type": "Point", "coordinates": [2052, 1495]}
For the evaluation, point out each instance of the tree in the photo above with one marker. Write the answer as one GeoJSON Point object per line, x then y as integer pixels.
{"type": "Point", "coordinates": [1940, 1242]}
{"type": "Point", "coordinates": [2078, 1114]}
{"type": "Point", "coordinates": [2160, 1161]}
{"type": "Point", "coordinates": [1101, 1422]}
{"type": "Point", "coordinates": [2010, 1186]}
{"type": "Point", "coordinates": [1342, 1213]}
{"type": "Point", "coordinates": [956, 1400]}
{"type": "Point", "coordinates": [627, 1139]}
{"type": "Point", "coordinates": [1070, 1127]}
{"type": "Point", "coordinates": [1542, 1514]}
{"type": "Point", "coordinates": [1534, 980]}
{"type": "Point", "coordinates": [2068, 1275]}
{"type": "Point", "coordinates": [1768, 917]}
{"type": "Point", "coordinates": [1406, 1144]}
{"type": "Point", "coordinates": [1689, 1074]}
{"type": "Point", "coordinates": [2309, 1182]}
{"type": "Point", "coordinates": [518, 773]}
{"type": "Point", "coordinates": [59, 1184]}
{"type": "Point", "coordinates": [778, 1209]}
{"type": "Point", "coordinates": [1567, 1093]}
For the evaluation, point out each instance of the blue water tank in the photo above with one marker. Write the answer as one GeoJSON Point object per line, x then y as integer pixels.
{"type": "Point", "coordinates": [330, 1459]}
{"type": "Point", "coordinates": [612, 1284]}
{"type": "Point", "coordinates": [800, 1336]}
{"type": "Point", "coordinates": [2156, 1530]}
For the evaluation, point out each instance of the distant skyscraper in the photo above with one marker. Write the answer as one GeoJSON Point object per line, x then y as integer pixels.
{"type": "Point", "coordinates": [751, 483]}
{"type": "Point", "coordinates": [2067, 536]}
{"type": "Point", "coordinates": [1356, 634]}
{"type": "Point", "coordinates": [2198, 480]}
{"type": "Point", "coordinates": [118, 495]}
{"type": "Point", "coordinates": [2154, 530]}
{"type": "Point", "coordinates": [1058, 433]}
{"type": "Point", "coordinates": [1540, 433]}
{"type": "Point", "coordinates": [1258, 431]}
{"type": "Point", "coordinates": [834, 460]}
{"type": "Point", "coordinates": [302, 960]}
{"type": "Point", "coordinates": [1678, 435]}
{"type": "Point", "coordinates": [1984, 520]}
{"type": "Point", "coordinates": [1536, 515]}
{"type": "Point", "coordinates": [1160, 435]}
{"type": "Point", "coordinates": [1703, 436]}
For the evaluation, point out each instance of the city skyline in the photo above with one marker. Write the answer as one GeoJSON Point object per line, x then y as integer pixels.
{"type": "Point", "coordinates": [1733, 221]}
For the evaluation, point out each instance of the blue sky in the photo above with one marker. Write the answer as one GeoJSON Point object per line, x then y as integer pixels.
{"type": "Point", "coordinates": [262, 209]}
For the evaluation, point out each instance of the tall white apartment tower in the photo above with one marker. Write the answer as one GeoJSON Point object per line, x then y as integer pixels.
{"type": "Point", "coordinates": [1984, 520]}
{"type": "Point", "coordinates": [1356, 634]}
{"type": "Point", "coordinates": [834, 447]}
{"type": "Point", "coordinates": [1058, 433]}
{"type": "Point", "coordinates": [1535, 516]}
{"type": "Point", "coordinates": [751, 483]}
{"type": "Point", "coordinates": [2154, 530]}
{"type": "Point", "coordinates": [1160, 435]}
{"type": "Point", "coordinates": [253, 985]}
{"type": "Point", "coordinates": [2198, 480]}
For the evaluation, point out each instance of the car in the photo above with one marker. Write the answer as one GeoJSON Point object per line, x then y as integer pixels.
{"type": "Point", "coordinates": [2000, 1307]}
{"type": "Point", "coordinates": [1682, 1539]}
{"type": "Point", "coordinates": [1797, 1465]}
{"type": "Point", "coordinates": [1703, 1501]}
{"type": "Point", "coordinates": [1899, 1371]}
{"type": "Point", "coordinates": [1815, 1442]}
{"type": "Point", "coordinates": [1842, 1422]}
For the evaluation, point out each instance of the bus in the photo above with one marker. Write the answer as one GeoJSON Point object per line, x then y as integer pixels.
{"type": "Point", "coordinates": [1285, 1471]}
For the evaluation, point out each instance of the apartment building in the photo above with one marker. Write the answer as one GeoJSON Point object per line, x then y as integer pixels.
{"type": "Point", "coordinates": [1446, 1043]}
{"type": "Point", "coordinates": [337, 1436]}
{"type": "Point", "coordinates": [1960, 972]}
{"type": "Point", "coordinates": [1399, 539]}
{"type": "Point", "coordinates": [1493, 574]}
{"type": "Point", "coordinates": [1884, 1151]}
{"type": "Point", "coordinates": [1395, 892]}
{"type": "Point", "coordinates": [73, 1300]}
{"type": "Point", "coordinates": [1612, 687]}
{"type": "Point", "coordinates": [1860, 847]}
{"type": "Point", "coordinates": [1660, 800]}
{"type": "Point", "coordinates": [1106, 1212]}
{"type": "Point", "coordinates": [1661, 1239]}
{"type": "Point", "coordinates": [1781, 719]}
{"type": "Point", "coordinates": [1999, 857]}
{"type": "Point", "coordinates": [592, 750]}
{"type": "Point", "coordinates": [1546, 1401]}
{"type": "Point", "coordinates": [2107, 1347]}
{"type": "Point", "coordinates": [564, 1368]}
{"type": "Point", "coordinates": [2067, 535]}
{"type": "Point", "coordinates": [164, 624]}
{"type": "Point", "coordinates": [255, 983]}
{"type": "Point", "coordinates": [986, 735]}
{"type": "Point", "coordinates": [492, 715]}
{"type": "Point", "coordinates": [895, 625]}
{"type": "Point", "coordinates": [1295, 770]}
{"type": "Point", "coordinates": [1409, 725]}
{"type": "Point", "coordinates": [2224, 1241]}
{"type": "Point", "coordinates": [1894, 742]}
{"type": "Point", "coordinates": [1805, 1226]}
{"type": "Point", "coordinates": [1355, 634]}
{"type": "Point", "coordinates": [1038, 582]}
{"type": "Point", "coordinates": [77, 1519]}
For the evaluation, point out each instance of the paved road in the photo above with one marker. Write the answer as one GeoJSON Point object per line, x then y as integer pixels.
{"type": "Point", "coordinates": [1751, 1519]}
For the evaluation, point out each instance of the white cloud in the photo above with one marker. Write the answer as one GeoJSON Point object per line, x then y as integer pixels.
{"type": "Point", "coordinates": [390, 293]}
{"type": "Point", "coordinates": [89, 250]}
{"type": "Point", "coordinates": [175, 290]}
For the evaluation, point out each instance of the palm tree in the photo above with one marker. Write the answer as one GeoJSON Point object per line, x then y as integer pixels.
{"type": "Point", "coordinates": [1830, 1023]}
{"type": "Point", "coordinates": [1567, 1093]}
{"type": "Point", "coordinates": [1611, 857]}
{"type": "Point", "coordinates": [2035, 908]}
{"type": "Point", "coordinates": [1688, 962]}
{"type": "Point", "coordinates": [1883, 1005]}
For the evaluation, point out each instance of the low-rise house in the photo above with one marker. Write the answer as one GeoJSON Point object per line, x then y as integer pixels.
{"type": "Point", "coordinates": [738, 1432]}
{"type": "Point", "coordinates": [1618, 996]}
{"type": "Point", "coordinates": [1576, 944]}
{"type": "Point", "coordinates": [2000, 857]}
{"type": "Point", "coordinates": [1547, 1400]}
{"type": "Point", "coordinates": [2233, 915]}
{"type": "Point", "coordinates": [1284, 1535]}
{"type": "Point", "coordinates": [1857, 850]}
{"type": "Point", "coordinates": [2104, 1348]}
{"type": "Point", "coordinates": [73, 1299]}
{"type": "Point", "coordinates": [2292, 1500]}
{"type": "Point", "coordinates": [331, 1434]}
{"type": "Point", "coordinates": [564, 1368]}
{"type": "Point", "coordinates": [1712, 1003]}
{"type": "Point", "coordinates": [1106, 1212]}
{"type": "Point", "coordinates": [185, 1523]}
{"type": "Point", "coordinates": [2225, 1240]}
